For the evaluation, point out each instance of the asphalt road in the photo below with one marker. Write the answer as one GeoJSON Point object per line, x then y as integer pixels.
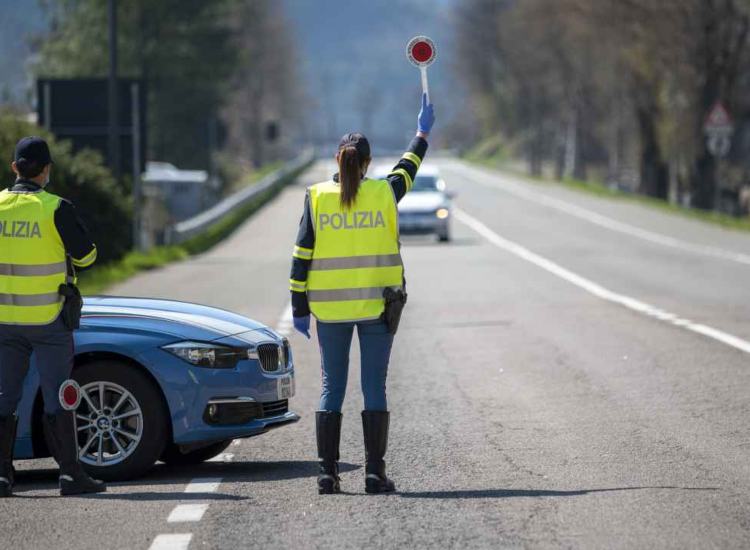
{"type": "Point", "coordinates": [571, 372]}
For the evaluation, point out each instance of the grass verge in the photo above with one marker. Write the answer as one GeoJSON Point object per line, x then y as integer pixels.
{"type": "Point", "coordinates": [601, 190]}
{"type": "Point", "coordinates": [100, 278]}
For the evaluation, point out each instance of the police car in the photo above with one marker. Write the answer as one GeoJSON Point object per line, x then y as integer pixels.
{"type": "Point", "coordinates": [427, 207]}
{"type": "Point", "coordinates": [165, 380]}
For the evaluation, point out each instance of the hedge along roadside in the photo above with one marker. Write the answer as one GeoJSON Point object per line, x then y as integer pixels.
{"type": "Point", "coordinates": [80, 177]}
{"type": "Point", "coordinates": [200, 233]}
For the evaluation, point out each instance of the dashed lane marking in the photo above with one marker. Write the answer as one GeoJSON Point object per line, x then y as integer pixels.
{"type": "Point", "coordinates": [192, 512]}
{"type": "Point", "coordinates": [595, 218]}
{"type": "Point", "coordinates": [285, 324]}
{"type": "Point", "coordinates": [203, 485]}
{"type": "Point", "coordinates": [187, 512]}
{"type": "Point", "coordinates": [223, 457]}
{"type": "Point", "coordinates": [598, 290]}
{"type": "Point", "coordinates": [171, 541]}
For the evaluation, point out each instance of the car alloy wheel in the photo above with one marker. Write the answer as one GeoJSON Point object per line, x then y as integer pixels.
{"type": "Point", "coordinates": [109, 422]}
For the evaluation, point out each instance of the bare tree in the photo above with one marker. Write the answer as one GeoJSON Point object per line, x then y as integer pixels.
{"type": "Point", "coordinates": [584, 83]}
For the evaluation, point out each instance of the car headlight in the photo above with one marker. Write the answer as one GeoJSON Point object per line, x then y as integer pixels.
{"type": "Point", "coordinates": [442, 213]}
{"type": "Point", "coordinates": [202, 354]}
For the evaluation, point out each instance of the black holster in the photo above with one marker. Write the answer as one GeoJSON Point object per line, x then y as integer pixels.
{"type": "Point", "coordinates": [395, 300]}
{"type": "Point", "coordinates": [72, 306]}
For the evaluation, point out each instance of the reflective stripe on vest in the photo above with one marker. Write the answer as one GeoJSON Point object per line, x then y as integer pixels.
{"type": "Point", "coordinates": [384, 260]}
{"type": "Point", "coordinates": [356, 255]}
{"type": "Point", "coordinates": [31, 270]}
{"type": "Point", "coordinates": [32, 259]}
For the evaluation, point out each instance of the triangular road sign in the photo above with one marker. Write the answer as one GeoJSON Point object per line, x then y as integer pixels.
{"type": "Point", "coordinates": [718, 117]}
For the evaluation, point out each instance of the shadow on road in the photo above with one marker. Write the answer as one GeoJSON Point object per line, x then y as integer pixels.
{"type": "Point", "coordinates": [520, 493]}
{"type": "Point", "coordinates": [236, 471]}
{"type": "Point", "coordinates": [152, 496]}
{"type": "Point", "coordinates": [162, 474]}
{"type": "Point", "coordinates": [241, 472]}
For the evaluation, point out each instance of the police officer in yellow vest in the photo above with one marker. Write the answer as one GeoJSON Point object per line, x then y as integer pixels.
{"type": "Point", "coordinates": [346, 267]}
{"type": "Point", "coordinates": [41, 241]}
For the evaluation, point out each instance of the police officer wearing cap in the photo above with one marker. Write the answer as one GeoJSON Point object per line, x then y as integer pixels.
{"type": "Point", "coordinates": [42, 241]}
{"type": "Point", "coordinates": [347, 271]}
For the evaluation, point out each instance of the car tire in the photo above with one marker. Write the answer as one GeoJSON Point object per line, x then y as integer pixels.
{"type": "Point", "coordinates": [444, 237]}
{"type": "Point", "coordinates": [174, 457]}
{"type": "Point", "coordinates": [153, 418]}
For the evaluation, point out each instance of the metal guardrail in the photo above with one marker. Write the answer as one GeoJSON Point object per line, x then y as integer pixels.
{"type": "Point", "coordinates": [196, 225]}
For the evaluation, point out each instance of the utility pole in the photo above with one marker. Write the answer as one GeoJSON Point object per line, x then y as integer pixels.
{"type": "Point", "coordinates": [135, 99]}
{"type": "Point", "coordinates": [113, 134]}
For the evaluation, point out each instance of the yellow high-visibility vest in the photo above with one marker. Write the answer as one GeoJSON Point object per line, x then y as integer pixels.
{"type": "Point", "coordinates": [32, 259]}
{"type": "Point", "coordinates": [356, 254]}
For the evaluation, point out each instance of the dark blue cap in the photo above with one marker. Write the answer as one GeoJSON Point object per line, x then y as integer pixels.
{"type": "Point", "coordinates": [33, 150]}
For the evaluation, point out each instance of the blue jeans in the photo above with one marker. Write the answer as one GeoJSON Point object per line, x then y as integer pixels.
{"type": "Point", "coordinates": [335, 341]}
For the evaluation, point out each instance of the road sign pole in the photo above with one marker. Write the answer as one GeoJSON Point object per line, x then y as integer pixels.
{"type": "Point", "coordinates": [135, 97]}
{"type": "Point", "coordinates": [113, 136]}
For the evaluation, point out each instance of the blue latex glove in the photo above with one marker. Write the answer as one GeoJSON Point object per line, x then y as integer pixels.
{"type": "Point", "coordinates": [302, 325]}
{"type": "Point", "coordinates": [426, 116]}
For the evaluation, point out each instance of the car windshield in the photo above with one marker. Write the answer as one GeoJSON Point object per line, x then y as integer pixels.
{"type": "Point", "coordinates": [425, 183]}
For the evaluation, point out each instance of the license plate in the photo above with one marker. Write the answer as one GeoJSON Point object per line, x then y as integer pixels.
{"type": "Point", "coordinates": [285, 387]}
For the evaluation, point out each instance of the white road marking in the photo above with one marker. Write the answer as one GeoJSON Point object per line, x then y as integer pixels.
{"type": "Point", "coordinates": [171, 541]}
{"type": "Point", "coordinates": [603, 221]}
{"type": "Point", "coordinates": [598, 290]}
{"type": "Point", "coordinates": [187, 512]}
{"type": "Point", "coordinates": [203, 485]}
{"type": "Point", "coordinates": [285, 324]}
{"type": "Point", "coordinates": [223, 457]}
{"type": "Point", "coordinates": [236, 442]}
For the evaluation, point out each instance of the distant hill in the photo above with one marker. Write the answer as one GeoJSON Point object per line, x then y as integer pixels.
{"type": "Point", "coordinates": [353, 54]}
{"type": "Point", "coordinates": [20, 20]}
{"type": "Point", "coordinates": [352, 57]}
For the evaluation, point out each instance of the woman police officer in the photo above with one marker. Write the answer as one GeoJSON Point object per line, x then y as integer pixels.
{"type": "Point", "coordinates": [347, 254]}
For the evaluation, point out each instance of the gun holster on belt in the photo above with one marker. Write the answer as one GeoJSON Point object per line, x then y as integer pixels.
{"type": "Point", "coordinates": [395, 300]}
{"type": "Point", "coordinates": [72, 306]}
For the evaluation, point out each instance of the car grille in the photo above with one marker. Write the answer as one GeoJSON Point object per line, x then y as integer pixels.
{"type": "Point", "coordinates": [275, 408]}
{"type": "Point", "coordinates": [269, 357]}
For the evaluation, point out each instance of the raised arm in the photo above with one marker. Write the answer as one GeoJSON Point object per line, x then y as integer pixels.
{"type": "Point", "coordinates": [402, 176]}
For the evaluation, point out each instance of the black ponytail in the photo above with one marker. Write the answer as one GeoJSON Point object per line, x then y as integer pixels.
{"type": "Point", "coordinates": [350, 174]}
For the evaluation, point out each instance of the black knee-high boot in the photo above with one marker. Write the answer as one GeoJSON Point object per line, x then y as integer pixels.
{"type": "Point", "coordinates": [7, 442]}
{"type": "Point", "coordinates": [375, 428]}
{"type": "Point", "coordinates": [328, 431]}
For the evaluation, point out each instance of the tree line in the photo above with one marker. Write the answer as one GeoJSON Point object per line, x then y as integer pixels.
{"type": "Point", "coordinates": [219, 74]}
{"type": "Point", "coordinates": [618, 90]}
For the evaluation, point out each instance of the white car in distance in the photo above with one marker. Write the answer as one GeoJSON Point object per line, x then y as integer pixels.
{"type": "Point", "coordinates": [427, 208]}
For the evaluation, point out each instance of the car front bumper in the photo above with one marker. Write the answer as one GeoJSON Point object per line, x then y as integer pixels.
{"type": "Point", "coordinates": [422, 223]}
{"type": "Point", "coordinates": [189, 390]}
